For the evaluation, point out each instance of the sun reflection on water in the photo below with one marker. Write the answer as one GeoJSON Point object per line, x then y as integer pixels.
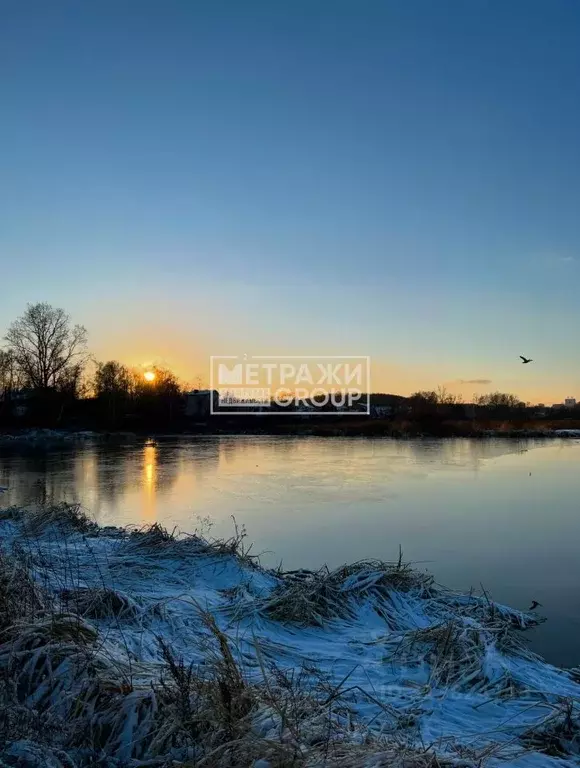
{"type": "Point", "coordinates": [149, 489]}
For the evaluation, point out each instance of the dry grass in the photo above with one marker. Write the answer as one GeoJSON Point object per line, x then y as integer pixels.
{"type": "Point", "coordinates": [206, 708]}
{"type": "Point", "coordinates": [20, 596]}
{"type": "Point", "coordinates": [452, 652]}
{"type": "Point", "coordinates": [58, 672]}
{"type": "Point", "coordinates": [68, 517]}
{"type": "Point", "coordinates": [99, 603]}
{"type": "Point", "coordinates": [66, 694]}
{"type": "Point", "coordinates": [156, 540]}
{"type": "Point", "coordinates": [559, 734]}
{"type": "Point", "coordinates": [314, 598]}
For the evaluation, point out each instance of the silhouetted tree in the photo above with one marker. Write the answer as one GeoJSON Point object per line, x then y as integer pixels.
{"type": "Point", "coordinates": [431, 398]}
{"type": "Point", "coordinates": [424, 396]}
{"type": "Point", "coordinates": [501, 404]}
{"type": "Point", "coordinates": [423, 402]}
{"type": "Point", "coordinates": [160, 399]}
{"type": "Point", "coordinates": [112, 379]}
{"type": "Point", "coordinates": [444, 397]}
{"type": "Point", "coordinates": [46, 348]}
{"type": "Point", "coordinates": [495, 400]}
{"type": "Point", "coordinates": [113, 385]}
{"type": "Point", "coordinates": [9, 379]}
{"type": "Point", "coordinates": [165, 383]}
{"type": "Point", "coordinates": [72, 382]}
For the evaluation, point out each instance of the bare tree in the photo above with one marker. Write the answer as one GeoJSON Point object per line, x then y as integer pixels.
{"type": "Point", "coordinates": [499, 400]}
{"type": "Point", "coordinates": [47, 349]}
{"type": "Point", "coordinates": [427, 397]}
{"type": "Point", "coordinates": [112, 379]}
{"type": "Point", "coordinates": [73, 381]}
{"type": "Point", "coordinates": [9, 379]}
{"type": "Point", "coordinates": [444, 397]}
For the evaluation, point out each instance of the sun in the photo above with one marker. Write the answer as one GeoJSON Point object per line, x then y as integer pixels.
{"type": "Point", "coordinates": [149, 376]}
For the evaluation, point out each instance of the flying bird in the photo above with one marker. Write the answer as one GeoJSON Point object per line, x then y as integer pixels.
{"type": "Point", "coordinates": [534, 605]}
{"type": "Point", "coordinates": [526, 359]}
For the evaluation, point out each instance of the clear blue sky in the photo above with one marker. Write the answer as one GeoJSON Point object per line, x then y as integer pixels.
{"type": "Point", "coordinates": [399, 179]}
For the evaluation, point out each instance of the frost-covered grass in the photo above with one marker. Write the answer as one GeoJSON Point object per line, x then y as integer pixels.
{"type": "Point", "coordinates": [140, 647]}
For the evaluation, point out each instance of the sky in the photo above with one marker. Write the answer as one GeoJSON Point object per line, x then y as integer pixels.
{"type": "Point", "coordinates": [397, 179]}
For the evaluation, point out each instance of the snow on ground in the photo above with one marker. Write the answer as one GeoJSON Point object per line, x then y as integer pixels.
{"type": "Point", "coordinates": [405, 659]}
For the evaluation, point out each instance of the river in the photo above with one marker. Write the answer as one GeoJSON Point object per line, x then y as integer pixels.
{"type": "Point", "coordinates": [500, 513]}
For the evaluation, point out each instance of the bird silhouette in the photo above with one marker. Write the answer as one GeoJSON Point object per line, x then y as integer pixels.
{"type": "Point", "coordinates": [534, 605]}
{"type": "Point", "coordinates": [526, 359]}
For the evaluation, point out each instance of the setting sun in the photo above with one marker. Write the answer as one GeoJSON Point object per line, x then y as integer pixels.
{"type": "Point", "coordinates": [149, 376]}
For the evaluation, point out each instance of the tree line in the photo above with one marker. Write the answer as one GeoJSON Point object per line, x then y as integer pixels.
{"type": "Point", "coordinates": [498, 404]}
{"type": "Point", "coordinates": [48, 377]}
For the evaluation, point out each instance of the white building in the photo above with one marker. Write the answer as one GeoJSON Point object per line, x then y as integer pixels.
{"type": "Point", "coordinates": [570, 402]}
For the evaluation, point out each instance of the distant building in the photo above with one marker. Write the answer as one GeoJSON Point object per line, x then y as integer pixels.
{"type": "Point", "coordinates": [570, 402]}
{"type": "Point", "coordinates": [198, 403]}
{"type": "Point", "coordinates": [381, 411]}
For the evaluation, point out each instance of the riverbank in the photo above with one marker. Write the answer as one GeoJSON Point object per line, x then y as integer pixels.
{"type": "Point", "coordinates": [410, 429]}
{"type": "Point", "coordinates": [58, 436]}
{"type": "Point", "coordinates": [137, 647]}
{"type": "Point", "coordinates": [320, 428]}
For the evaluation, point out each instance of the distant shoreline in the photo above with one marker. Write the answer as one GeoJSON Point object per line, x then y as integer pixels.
{"type": "Point", "coordinates": [368, 429]}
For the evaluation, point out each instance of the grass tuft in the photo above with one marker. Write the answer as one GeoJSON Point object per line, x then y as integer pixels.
{"type": "Point", "coordinates": [314, 598]}
{"type": "Point", "coordinates": [100, 603]}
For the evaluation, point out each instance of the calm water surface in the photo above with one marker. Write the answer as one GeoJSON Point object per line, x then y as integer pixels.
{"type": "Point", "coordinates": [500, 513]}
